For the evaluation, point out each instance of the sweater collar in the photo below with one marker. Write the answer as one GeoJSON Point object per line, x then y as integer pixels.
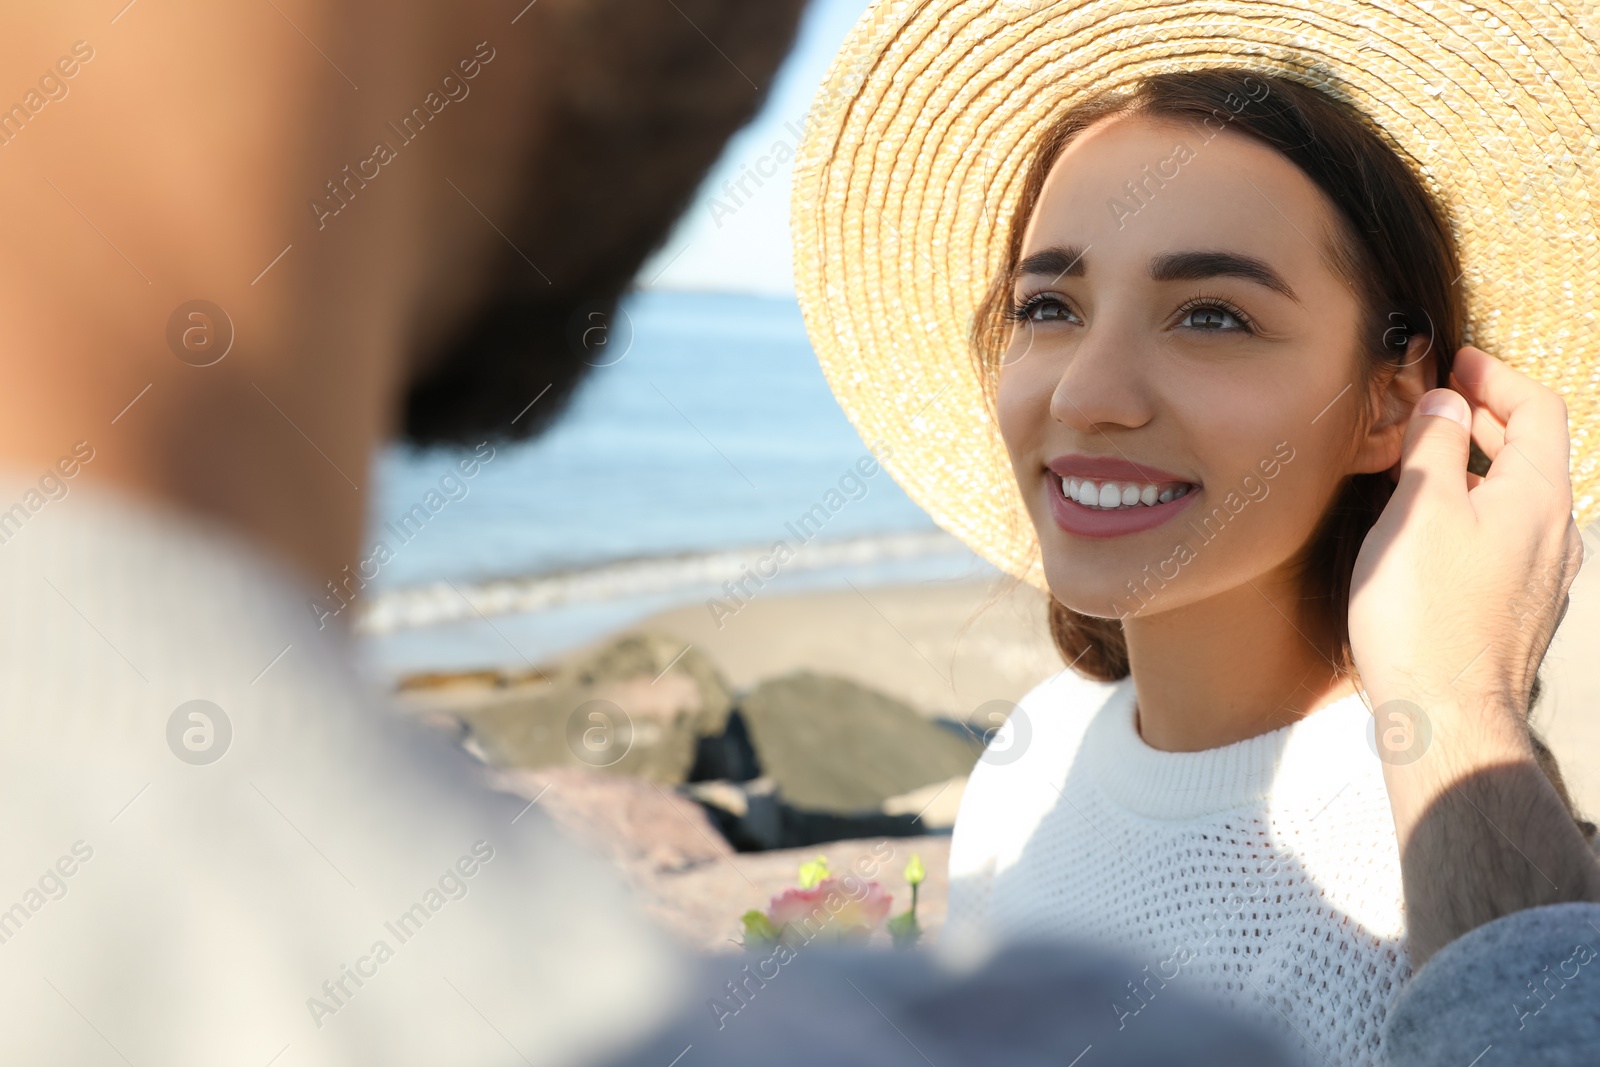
{"type": "Point", "coordinates": [1305, 762]}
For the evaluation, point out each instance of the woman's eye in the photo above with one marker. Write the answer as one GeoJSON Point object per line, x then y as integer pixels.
{"type": "Point", "coordinates": [1044, 309]}
{"type": "Point", "coordinates": [1211, 317]}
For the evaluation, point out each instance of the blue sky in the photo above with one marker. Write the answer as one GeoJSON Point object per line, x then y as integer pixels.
{"type": "Point", "coordinates": [733, 242]}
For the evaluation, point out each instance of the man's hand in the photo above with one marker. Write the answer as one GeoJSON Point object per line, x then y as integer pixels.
{"type": "Point", "coordinates": [1456, 593]}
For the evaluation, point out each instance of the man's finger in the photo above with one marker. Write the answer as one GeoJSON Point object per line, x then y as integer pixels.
{"type": "Point", "coordinates": [1433, 457]}
{"type": "Point", "coordinates": [1487, 431]}
{"type": "Point", "coordinates": [1534, 416]}
{"type": "Point", "coordinates": [1487, 381]}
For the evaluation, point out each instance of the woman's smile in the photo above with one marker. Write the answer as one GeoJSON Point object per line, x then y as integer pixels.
{"type": "Point", "coordinates": [1111, 497]}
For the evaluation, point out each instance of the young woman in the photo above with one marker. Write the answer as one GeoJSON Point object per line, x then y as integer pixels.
{"type": "Point", "coordinates": [1214, 297]}
{"type": "Point", "coordinates": [1202, 384]}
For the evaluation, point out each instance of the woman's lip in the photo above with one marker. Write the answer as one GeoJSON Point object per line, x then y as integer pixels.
{"type": "Point", "coordinates": [1075, 518]}
{"type": "Point", "coordinates": [1109, 468]}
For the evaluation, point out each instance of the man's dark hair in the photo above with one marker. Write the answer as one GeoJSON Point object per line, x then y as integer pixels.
{"type": "Point", "coordinates": [640, 104]}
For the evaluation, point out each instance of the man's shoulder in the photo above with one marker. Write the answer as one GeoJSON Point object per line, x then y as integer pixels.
{"type": "Point", "coordinates": [221, 806]}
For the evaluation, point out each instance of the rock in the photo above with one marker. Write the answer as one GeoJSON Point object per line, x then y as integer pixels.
{"type": "Point", "coordinates": [645, 656]}
{"type": "Point", "coordinates": [749, 814]}
{"type": "Point", "coordinates": [729, 756]}
{"type": "Point", "coordinates": [647, 830]}
{"type": "Point", "coordinates": [838, 748]}
{"type": "Point", "coordinates": [725, 797]}
{"type": "Point", "coordinates": [636, 706]}
{"type": "Point", "coordinates": [936, 804]}
{"type": "Point", "coordinates": [755, 817]}
{"type": "Point", "coordinates": [684, 874]}
{"type": "Point", "coordinates": [436, 680]}
{"type": "Point", "coordinates": [804, 829]}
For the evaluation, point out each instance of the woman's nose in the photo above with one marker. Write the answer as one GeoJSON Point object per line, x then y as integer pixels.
{"type": "Point", "coordinates": [1102, 380]}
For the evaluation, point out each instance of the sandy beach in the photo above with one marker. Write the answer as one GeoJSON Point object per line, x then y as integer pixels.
{"type": "Point", "coordinates": [946, 648]}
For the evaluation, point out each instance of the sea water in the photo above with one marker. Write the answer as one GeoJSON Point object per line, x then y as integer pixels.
{"type": "Point", "coordinates": [704, 436]}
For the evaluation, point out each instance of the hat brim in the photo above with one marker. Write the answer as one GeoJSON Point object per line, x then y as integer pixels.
{"type": "Point", "coordinates": [918, 142]}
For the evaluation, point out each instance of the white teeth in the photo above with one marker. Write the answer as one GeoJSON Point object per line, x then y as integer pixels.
{"type": "Point", "coordinates": [1116, 495]}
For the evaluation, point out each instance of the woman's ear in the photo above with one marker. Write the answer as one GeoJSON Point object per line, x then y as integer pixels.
{"type": "Point", "coordinates": [1395, 394]}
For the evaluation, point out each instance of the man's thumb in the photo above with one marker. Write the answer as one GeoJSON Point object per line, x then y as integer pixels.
{"type": "Point", "coordinates": [1437, 440]}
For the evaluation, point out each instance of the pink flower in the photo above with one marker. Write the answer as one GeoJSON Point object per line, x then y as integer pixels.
{"type": "Point", "coordinates": [837, 909]}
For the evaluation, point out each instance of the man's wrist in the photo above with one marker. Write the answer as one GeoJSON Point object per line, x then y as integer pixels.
{"type": "Point", "coordinates": [1482, 831]}
{"type": "Point", "coordinates": [1429, 749]}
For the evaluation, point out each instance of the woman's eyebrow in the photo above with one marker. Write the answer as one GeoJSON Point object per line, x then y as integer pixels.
{"type": "Point", "coordinates": [1192, 266]}
{"type": "Point", "coordinates": [1067, 261]}
{"type": "Point", "coordinates": [1064, 261]}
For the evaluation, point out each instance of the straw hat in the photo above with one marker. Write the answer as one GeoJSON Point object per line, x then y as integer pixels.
{"type": "Point", "coordinates": [918, 141]}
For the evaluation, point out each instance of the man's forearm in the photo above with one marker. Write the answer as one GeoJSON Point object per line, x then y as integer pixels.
{"type": "Point", "coordinates": [1482, 831]}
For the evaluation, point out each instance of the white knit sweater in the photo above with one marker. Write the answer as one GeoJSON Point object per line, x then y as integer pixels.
{"type": "Point", "coordinates": [161, 909]}
{"type": "Point", "coordinates": [1264, 874]}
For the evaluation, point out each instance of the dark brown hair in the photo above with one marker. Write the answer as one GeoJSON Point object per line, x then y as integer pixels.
{"type": "Point", "coordinates": [1393, 245]}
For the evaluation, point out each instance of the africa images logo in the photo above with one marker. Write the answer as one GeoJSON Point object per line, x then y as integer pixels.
{"type": "Point", "coordinates": [199, 732]}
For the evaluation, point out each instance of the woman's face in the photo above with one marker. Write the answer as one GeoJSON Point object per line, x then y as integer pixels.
{"type": "Point", "coordinates": [1180, 395]}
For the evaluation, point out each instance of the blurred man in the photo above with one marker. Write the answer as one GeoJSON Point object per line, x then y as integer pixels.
{"type": "Point", "coordinates": [245, 246]}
